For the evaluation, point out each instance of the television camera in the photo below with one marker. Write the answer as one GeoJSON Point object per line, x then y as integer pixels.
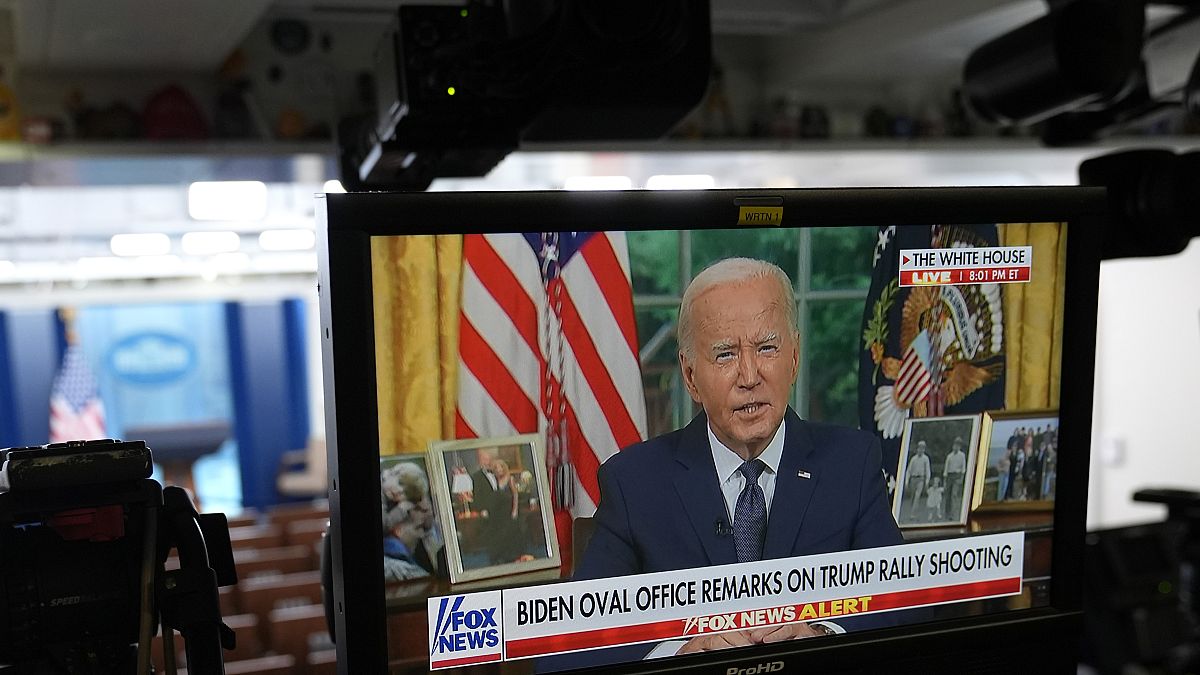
{"type": "Point", "coordinates": [1088, 67]}
{"type": "Point", "coordinates": [1143, 601]}
{"type": "Point", "coordinates": [458, 87]}
{"type": "Point", "coordinates": [1183, 512]}
{"type": "Point", "coordinates": [84, 535]}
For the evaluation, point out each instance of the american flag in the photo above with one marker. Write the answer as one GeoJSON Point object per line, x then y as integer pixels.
{"type": "Point", "coordinates": [76, 412]}
{"type": "Point", "coordinates": [914, 381]}
{"type": "Point", "coordinates": [548, 343]}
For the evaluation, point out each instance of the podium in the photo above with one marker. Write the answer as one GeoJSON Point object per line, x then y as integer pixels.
{"type": "Point", "coordinates": [178, 445]}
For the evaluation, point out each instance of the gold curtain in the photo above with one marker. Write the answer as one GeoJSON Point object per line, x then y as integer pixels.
{"type": "Point", "coordinates": [416, 282]}
{"type": "Point", "coordinates": [1033, 318]}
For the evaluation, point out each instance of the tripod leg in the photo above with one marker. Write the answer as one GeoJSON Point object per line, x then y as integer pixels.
{"type": "Point", "coordinates": [149, 616]}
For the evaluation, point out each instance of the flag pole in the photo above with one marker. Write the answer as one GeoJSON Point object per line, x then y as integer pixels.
{"type": "Point", "coordinates": [67, 316]}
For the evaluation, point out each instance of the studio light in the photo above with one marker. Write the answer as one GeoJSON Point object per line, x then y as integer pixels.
{"type": "Point", "coordinates": [140, 244]}
{"type": "Point", "coordinates": [598, 183]}
{"type": "Point", "coordinates": [227, 200]}
{"type": "Point", "coordinates": [681, 182]}
{"type": "Point", "coordinates": [287, 240]}
{"type": "Point", "coordinates": [210, 243]}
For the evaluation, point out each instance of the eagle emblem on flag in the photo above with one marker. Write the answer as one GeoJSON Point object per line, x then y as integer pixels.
{"type": "Point", "coordinates": [929, 350]}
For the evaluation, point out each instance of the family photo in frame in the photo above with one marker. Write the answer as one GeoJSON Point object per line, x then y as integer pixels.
{"type": "Point", "coordinates": [412, 539]}
{"type": "Point", "coordinates": [936, 472]}
{"type": "Point", "coordinates": [493, 497]}
{"type": "Point", "coordinates": [1019, 469]}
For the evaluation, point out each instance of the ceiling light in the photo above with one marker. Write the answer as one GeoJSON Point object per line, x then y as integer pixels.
{"type": "Point", "coordinates": [210, 243]}
{"type": "Point", "coordinates": [701, 181]}
{"type": "Point", "coordinates": [599, 183]}
{"type": "Point", "coordinates": [148, 243]}
{"type": "Point", "coordinates": [287, 240]}
{"type": "Point", "coordinates": [227, 200]}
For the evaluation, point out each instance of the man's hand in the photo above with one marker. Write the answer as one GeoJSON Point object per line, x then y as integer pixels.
{"type": "Point", "coordinates": [791, 631]}
{"type": "Point", "coordinates": [743, 638]}
{"type": "Point", "coordinates": [708, 643]}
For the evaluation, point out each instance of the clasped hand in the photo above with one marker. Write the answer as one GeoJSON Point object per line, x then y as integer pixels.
{"type": "Point", "coordinates": [745, 638]}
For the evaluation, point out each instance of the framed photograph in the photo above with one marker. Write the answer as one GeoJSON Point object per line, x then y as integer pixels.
{"type": "Point", "coordinates": [936, 472]}
{"type": "Point", "coordinates": [493, 496]}
{"type": "Point", "coordinates": [412, 537]}
{"type": "Point", "coordinates": [1018, 462]}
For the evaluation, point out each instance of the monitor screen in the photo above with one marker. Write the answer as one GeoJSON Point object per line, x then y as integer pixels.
{"type": "Point", "coordinates": [703, 426]}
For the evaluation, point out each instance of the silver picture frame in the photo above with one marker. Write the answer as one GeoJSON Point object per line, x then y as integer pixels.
{"type": "Point", "coordinates": [483, 538]}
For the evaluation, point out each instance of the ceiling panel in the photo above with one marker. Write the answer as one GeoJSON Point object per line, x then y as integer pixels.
{"type": "Point", "coordinates": [905, 40]}
{"type": "Point", "coordinates": [181, 35]}
{"type": "Point", "coordinates": [779, 17]}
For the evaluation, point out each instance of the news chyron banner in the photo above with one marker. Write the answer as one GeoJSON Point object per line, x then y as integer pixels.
{"type": "Point", "coordinates": [955, 266]}
{"type": "Point", "coordinates": [534, 621]}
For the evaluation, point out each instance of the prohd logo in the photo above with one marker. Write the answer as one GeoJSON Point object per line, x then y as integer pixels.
{"type": "Point", "coordinates": [768, 667]}
{"type": "Point", "coordinates": [465, 630]}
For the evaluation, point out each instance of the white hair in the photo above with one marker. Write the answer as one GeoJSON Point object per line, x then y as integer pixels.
{"type": "Point", "coordinates": [406, 478]}
{"type": "Point", "coordinates": [401, 486]}
{"type": "Point", "coordinates": [731, 270]}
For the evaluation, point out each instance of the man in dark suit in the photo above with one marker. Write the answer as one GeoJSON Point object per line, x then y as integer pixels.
{"type": "Point", "coordinates": [747, 479]}
{"type": "Point", "coordinates": [483, 483]}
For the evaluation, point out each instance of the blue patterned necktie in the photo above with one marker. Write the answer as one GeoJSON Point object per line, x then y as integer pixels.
{"type": "Point", "coordinates": [750, 514]}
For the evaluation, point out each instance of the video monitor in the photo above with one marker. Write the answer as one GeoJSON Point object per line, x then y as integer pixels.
{"type": "Point", "coordinates": [723, 431]}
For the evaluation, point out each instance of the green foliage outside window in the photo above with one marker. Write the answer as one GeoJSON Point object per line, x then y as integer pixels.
{"type": "Point", "coordinates": [778, 246]}
{"type": "Point", "coordinates": [833, 361]}
{"type": "Point", "coordinates": [842, 257]}
{"type": "Point", "coordinates": [654, 263]}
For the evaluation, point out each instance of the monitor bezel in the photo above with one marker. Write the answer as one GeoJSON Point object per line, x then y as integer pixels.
{"type": "Point", "coordinates": [346, 223]}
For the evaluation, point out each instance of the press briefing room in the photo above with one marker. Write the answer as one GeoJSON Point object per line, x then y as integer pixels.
{"type": "Point", "coordinates": [713, 336]}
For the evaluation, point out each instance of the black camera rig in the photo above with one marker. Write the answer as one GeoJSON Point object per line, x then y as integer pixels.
{"type": "Point", "coordinates": [84, 535]}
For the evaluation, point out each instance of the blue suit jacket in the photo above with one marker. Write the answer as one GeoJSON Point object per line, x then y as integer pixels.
{"type": "Point", "coordinates": [660, 504]}
{"type": "Point", "coordinates": [660, 501]}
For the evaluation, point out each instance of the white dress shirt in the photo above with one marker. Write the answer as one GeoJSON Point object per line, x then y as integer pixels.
{"type": "Point", "coordinates": [732, 483]}
{"type": "Point", "coordinates": [956, 462]}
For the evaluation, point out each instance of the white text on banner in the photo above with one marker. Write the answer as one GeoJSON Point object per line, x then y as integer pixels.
{"type": "Point", "coordinates": [573, 616]}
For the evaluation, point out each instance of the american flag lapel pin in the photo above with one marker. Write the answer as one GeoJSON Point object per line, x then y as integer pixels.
{"type": "Point", "coordinates": [803, 474]}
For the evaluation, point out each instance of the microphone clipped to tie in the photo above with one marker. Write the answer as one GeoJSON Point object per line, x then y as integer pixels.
{"type": "Point", "coordinates": [723, 530]}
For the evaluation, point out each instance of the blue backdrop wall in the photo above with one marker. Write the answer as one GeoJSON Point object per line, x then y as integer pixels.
{"type": "Point", "coordinates": [179, 362]}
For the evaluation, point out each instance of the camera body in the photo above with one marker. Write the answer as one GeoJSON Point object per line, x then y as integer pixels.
{"type": "Point", "coordinates": [84, 533]}
{"type": "Point", "coordinates": [458, 87]}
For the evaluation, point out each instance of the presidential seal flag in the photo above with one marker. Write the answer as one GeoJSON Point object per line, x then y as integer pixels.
{"type": "Point", "coordinates": [927, 351]}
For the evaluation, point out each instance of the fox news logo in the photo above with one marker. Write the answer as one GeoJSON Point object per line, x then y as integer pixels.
{"type": "Point", "coordinates": [716, 623]}
{"type": "Point", "coordinates": [466, 630]}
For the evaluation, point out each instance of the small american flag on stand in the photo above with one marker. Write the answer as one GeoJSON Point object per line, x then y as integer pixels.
{"type": "Point", "coordinates": [76, 411]}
